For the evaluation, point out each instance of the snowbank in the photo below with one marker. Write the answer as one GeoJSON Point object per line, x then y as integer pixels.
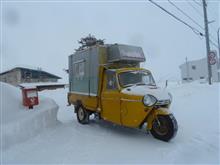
{"type": "Point", "coordinates": [195, 106]}
{"type": "Point", "coordinates": [19, 123]}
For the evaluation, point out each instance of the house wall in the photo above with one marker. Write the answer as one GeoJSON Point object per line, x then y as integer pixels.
{"type": "Point", "coordinates": [13, 77]}
{"type": "Point", "coordinates": [196, 70]}
{"type": "Point", "coordinates": [16, 77]}
{"type": "Point", "coordinates": [31, 80]}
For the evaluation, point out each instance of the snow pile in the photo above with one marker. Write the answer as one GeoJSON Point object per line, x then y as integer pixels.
{"type": "Point", "coordinates": [195, 106]}
{"type": "Point", "coordinates": [18, 123]}
{"type": "Point", "coordinates": [65, 113]}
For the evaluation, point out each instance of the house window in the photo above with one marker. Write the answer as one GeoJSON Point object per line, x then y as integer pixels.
{"type": "Point", "coordinates": [27, 75]}
{"type": "Point", "coordinates": [193, 67]}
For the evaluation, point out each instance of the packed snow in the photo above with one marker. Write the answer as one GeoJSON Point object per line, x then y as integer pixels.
{"type": "Point", "coordinates": [141, 90]}
{"type": "Point", "coordinates": [18, 123]}
{"type": "Point", "coordinates": [195, 106]}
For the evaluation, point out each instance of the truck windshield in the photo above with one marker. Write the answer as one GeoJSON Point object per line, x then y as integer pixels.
{"type": "Point", "coordinates": [130, 78]}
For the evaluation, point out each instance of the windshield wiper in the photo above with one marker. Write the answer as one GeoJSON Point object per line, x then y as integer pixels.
{"type": "Point", "coordinates": [141, 84]}
{"type": "Point", "coordinates": [128, 85]}
{"type": "Point", "coordinates": [137, 84]}
{"type": "Point", "coordinates": [151, 84]}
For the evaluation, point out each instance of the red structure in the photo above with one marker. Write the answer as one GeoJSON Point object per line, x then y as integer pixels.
{"type": "Point", "coordinates": [30, 97]}
{"type": "Point", "coordinates": [30, 91]}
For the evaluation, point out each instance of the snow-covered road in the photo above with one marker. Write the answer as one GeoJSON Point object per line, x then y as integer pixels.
{"type": "Point", "coordinates": [196, 107]}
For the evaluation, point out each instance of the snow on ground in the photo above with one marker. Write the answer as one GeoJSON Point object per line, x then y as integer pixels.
{"type": "Point", "coordinates": [18, 123]}
{"type": "Point", "coordinates": [195, 106]}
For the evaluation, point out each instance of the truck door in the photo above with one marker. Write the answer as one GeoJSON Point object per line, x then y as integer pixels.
{"type": "Point", "coordinates": [110, 98]}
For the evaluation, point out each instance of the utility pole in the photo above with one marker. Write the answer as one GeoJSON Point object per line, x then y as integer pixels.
{"type": "Point", "coordinates": [218, 57]}
{"type": "Point", "coordinates": [218, 42]}
{"type": "Point", "coordinates": [207, 40]}
{"type": "Point", "coordinates": [187, 70]}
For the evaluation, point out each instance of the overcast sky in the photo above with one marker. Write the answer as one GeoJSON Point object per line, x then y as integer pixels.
{"type": "Point", "coordinates": [43, 34]}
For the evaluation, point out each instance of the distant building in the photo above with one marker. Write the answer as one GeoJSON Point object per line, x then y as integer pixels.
{"type": "Point", "coordinates": [198, 70]}
{"type": "Point", "coordinates": [20, 75]}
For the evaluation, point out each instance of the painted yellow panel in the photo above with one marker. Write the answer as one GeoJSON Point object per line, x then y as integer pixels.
{"type": "Point", "coordinates": [89, 102]}
{"type": "Point", "coordinates": [110, 101]}
{"type": "Point", "coordinates": [111, 106]}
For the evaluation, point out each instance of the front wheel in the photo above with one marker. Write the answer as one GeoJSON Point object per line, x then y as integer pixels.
{"type": "Point", "coordinates": [164, 127]}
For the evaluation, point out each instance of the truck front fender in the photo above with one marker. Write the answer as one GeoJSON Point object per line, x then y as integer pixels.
{"type": "Point", "coordinates": [153, 115]}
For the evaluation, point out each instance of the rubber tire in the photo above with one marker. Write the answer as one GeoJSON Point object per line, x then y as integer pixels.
{"type": "Point", "coordinates": [82, 110]}
{"type": "Point", "coordinates": [172, 128]}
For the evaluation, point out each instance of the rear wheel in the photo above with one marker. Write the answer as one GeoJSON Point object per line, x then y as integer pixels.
{"type": "Point", "coordinates": [82, 115]}
{"type": "Point", "coordinates": [164, 127]}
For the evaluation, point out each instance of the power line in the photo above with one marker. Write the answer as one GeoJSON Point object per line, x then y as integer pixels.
{"type": "Point", "coordinates": [213, 43]}
{"type": "Point", "coordinates": [193, 20]}
{"type": "Point", "coordinates": [212, 27]}
{"type": "Point", "coordinates": [212, 11]}
{"type": "Point", "coordinates": [198, 12]}
{"type": "Point", "coordinates": [212, 37]}
{"type": "Point", "coordinates": [185, 14]}
{"type": "Point", "coordinates": [178, 8]}
{"type": "Point", "coordinates": [196, 31]}
{"type": "Point", "coordinates": [197, 3]}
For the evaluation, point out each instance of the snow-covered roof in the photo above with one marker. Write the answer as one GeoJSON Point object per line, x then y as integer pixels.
{"type": "Point", "coordinates": [20, 66]}
{"type": "Point", "coordinates": [30, 68]}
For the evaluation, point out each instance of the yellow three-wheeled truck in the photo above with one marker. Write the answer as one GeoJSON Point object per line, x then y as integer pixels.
{"type": "Point", "coordinates": [107, 80]}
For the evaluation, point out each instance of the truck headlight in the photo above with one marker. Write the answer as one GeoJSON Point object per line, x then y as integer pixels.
{"type": "Point", "coordinates": [149, 100]}
{"type": "Point", "coordinates": [171, 97]}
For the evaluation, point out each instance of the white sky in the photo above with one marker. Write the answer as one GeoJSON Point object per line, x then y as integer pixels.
{"type": "Point", "coordinates": [43, 34]}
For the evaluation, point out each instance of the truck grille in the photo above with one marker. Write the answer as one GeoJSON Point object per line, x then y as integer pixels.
{"type": "Point", "coordinates": [163, 102]}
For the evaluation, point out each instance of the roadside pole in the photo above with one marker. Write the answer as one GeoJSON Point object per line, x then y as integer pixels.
{"type": "Point", "coordinates": [187, 69]}
{"type": "Point", "coordinates": [207, 41]}
{"type": "Point", "coordinates": [218, 57]}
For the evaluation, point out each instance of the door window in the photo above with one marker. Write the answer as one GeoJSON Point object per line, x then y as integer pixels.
{"type": "Point", "coordinates": [111, 80]}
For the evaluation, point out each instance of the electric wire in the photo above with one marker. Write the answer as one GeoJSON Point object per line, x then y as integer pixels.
{"type": "Point", "coordinates": [196, 31]}
{"type": "Point", "coordinates": [212, 11]}
{"type": "Point", "coordinates": [195, 9]}
{"type": "Point", "coordinates": [197, 2]}
{"type": "Point", "coordinates": [214, 44]}
{"type": "Point", "coordinates": [200, 13]}
{"type": "Point", "coordinates": [213, 37]}
{"type": "Point", "coordinates": [184, 13]}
